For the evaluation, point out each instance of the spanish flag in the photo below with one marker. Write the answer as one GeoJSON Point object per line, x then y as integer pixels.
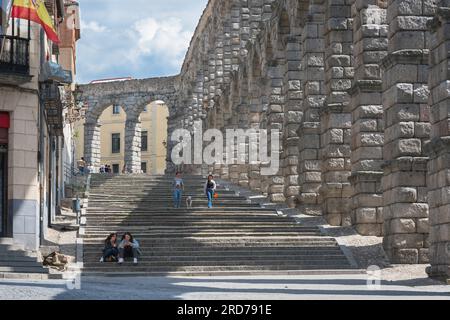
{"type": "Point", "coordinates": [34, 10]}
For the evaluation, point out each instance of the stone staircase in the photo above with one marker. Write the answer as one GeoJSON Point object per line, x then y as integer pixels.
{"type": "Point", "coordinates": [16, 263]}
{"type": "Point", "coordinates": [235, 237]}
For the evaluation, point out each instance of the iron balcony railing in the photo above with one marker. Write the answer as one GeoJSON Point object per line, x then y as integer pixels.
{"type": "Point", "coordinates": [16, 55]}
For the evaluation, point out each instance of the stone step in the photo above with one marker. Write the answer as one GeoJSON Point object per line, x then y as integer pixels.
{"type": "Point", "coordinates": [159, 217]}
{"type": "Point", "coordinates": [168, 207]}
{"type": "Point", "coordinates": [148, 264]}
{"type": "Point", "coordinates": [156, 254]}
{"type": "Point", "coordinates": [206, 223]}
{"type": "Point", "coordinates": [134, 197]}
{"type": "Point", "coordinates": [164, 183]}
{"type": "Point", "coordinates": [168, 204]}
{"type": "Point", "coordinates": [148, 244]}
{"type": "Point", "coordinates": [6, 241]}
{"type": "Point", "coordinates": [277, 240]}
{"type": "Point", "coordinates": [155, 184]}
{"type": "Point", "coordinates": [30, 276]}
{"type": "Point", "coordinates": [230, 199]}
{"type": "Point", "coordinates": [131, 269]}
{"type": "Point", "coordinates": [16, 258]}
{"type": "Point", "coordinates": [145, 237]}
{"type": "Point", "coordinates": [22, 269]}
{"type": "Point", "coordinates": [21, 263]}
{"type": "Point", "coordinates": [235, 259]}
{"type": "Point", "coordinates": [224, 273]}
{"type": "Point", "coordinates": [151, 224]}
{"type": "Point", "coordinates": [160, 184]}
{"type": "Point", "coordinates": [171, 230]}
{"type": "Point", "coordinates": [208, 235]}
{"type": "Point", "coordinates": [206, 228]}
{"type": "Point", "coordinates": [148, 180]}
{"type": "Point", "coordinates": [149, 190]}
{"type": "Point", "coordinates": [185, 213]}
{"type": "Point", "coordinates": [95, 246]}
{"type": "Point", "coordinates": [10, 248]}
{"type": "Point", "coordinates": [159, 189]}
{"type": "Point", "coordinates": [192, 223]}
{"type": "Point", "coordinates": [162, 213]}
{"type": "Point", "coordinates": [144, 178]}
{"type": "Point", "coordinates": [196, 223]}
{"type": "Point", "coordinates": [204, 210]}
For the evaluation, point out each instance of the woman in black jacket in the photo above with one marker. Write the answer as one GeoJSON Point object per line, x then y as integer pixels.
{"type": "Point", "coordinates": [111, 250]}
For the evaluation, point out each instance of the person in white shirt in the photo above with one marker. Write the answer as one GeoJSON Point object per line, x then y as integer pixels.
{"type": "Point", "coordinates": [210, 190]}
{"type": "Point", "coordinates": [178, 188]}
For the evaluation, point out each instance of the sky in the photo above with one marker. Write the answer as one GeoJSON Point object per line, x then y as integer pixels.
{"type": "Point", "coordinates": [139, 38]}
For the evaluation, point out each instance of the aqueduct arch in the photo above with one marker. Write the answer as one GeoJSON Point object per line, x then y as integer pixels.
{"type": "Point", "coordinates": [133, 96]}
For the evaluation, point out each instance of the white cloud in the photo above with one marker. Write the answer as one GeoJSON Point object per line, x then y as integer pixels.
{"type": "Point", "coordinates": [167, 39]}
{"type": "Point", "coordinates": [93, 26]}
{"type": "Point", "coordinates": [148, 39]}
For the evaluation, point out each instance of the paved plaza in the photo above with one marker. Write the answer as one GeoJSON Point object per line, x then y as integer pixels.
{"type": "Point", "coordinates": [340, 287]}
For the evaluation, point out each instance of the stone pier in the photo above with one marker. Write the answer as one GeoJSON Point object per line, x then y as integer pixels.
{"type": "Point", "coordinates": [439, 148]}
{"type": "Point", "coordinates": [407, 129]}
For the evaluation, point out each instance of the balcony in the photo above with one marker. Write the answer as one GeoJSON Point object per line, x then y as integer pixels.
{"type": "Point", "coordinates": [15, 60]}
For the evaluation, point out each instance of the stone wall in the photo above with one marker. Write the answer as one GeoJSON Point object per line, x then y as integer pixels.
{"type": "Point", "coordinates": [346, 82]}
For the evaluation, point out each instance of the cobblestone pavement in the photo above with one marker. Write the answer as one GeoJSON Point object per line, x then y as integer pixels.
{"type": "Point", "coordinates": [226, 288]}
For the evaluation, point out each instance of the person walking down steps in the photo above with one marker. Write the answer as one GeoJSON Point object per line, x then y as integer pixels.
{"type": "Point", "coordinates": [178, 188]}
{"type": "Point", "coordinates": [210, 190]}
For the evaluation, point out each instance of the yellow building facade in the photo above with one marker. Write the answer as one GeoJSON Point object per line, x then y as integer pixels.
{"type": "Point", "coordinates": [112, 138]}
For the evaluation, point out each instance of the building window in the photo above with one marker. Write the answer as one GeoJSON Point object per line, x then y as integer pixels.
{"type": "Point", "coordinates": [144, 167]}
{"type": "Point", "coordinates": [144, 140]}
{"type": "Point", "coordinates": [116, 110]}
{"type": "Point", "coordinates": [116, 143]}
{"type": "Point", "coordinates": [115, 168]}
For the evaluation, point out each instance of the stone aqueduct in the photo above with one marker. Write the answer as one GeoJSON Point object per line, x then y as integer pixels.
{"type": "Point", "coordinates": [360, 90]}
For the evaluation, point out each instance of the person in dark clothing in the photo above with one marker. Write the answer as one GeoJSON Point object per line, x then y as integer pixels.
{"type": "Point", "coordinates": [111, 250]}
{"type": "Point", "coordinates": [128, 248]}
{"type": "Point", "coordinates": [210, 190]}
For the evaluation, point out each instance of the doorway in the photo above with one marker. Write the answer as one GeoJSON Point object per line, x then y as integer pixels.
{"type": "Point", "coordinates": [4, 219]}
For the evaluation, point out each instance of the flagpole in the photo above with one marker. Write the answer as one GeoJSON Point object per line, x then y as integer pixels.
{"type": "Point", "coordinates": [6, 29]}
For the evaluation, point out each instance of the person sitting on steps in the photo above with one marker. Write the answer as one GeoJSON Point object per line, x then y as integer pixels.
{"type": "Point", "coordinates": [128, 248]}
{"type": "Point", "coordinates": [110, 251]}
